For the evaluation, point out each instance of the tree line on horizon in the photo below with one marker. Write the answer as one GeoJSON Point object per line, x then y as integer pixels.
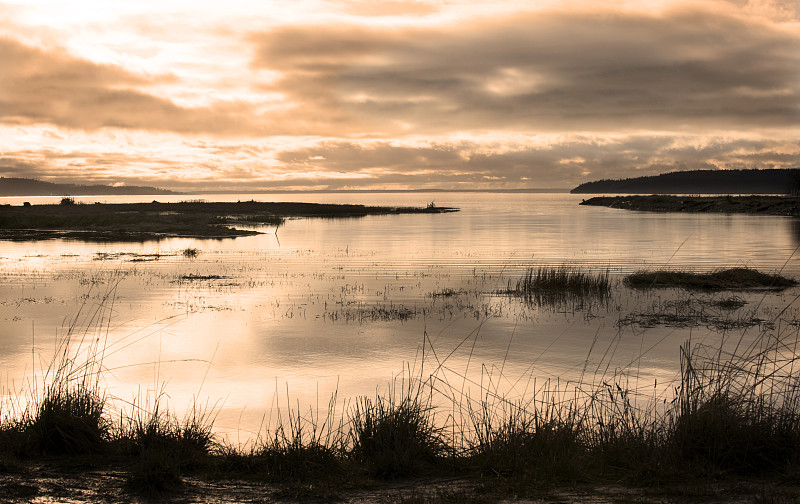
{"type": "Point", "coordinates": [14, 186]}
{"type": "Point", "coordinates": [750, 181]}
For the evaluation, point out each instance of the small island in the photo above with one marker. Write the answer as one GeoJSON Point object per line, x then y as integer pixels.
{"type": "Point", "coordinates": [153, 221]}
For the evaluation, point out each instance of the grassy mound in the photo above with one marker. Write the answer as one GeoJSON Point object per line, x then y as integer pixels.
{"type": "Point", "coordinates": [726, 279]}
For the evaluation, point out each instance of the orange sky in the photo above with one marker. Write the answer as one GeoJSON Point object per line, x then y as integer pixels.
{"type": "Point", "coordinates": [314, 94]}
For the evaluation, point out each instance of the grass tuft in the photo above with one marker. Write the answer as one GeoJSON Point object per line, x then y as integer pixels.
{"type": "Point", "coordinates": [395, 437]}
{"type": "Point", "coordinates": [739, 414]}
{"type": "Point", "coordinates": [188, 441]}
{"type": "Point", "coordinates": [300, 448]}
{"type": "Point", "coordinates": [541, 445]}
{"type": "Point", "coordinates": [69, 421]}
{"type": "Point", "coordinates": [190, 252]}
{"type": "Point", "coordinates": [163, 447]}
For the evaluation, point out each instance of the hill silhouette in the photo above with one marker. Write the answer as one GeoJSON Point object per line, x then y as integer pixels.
{"type": "Point", "coordinates": [11, 186]}
{"type": "Point", "coordinates": [780, 181]}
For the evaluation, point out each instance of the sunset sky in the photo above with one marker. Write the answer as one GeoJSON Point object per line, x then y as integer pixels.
{"type": "Point", "coordinates": [357, 94]}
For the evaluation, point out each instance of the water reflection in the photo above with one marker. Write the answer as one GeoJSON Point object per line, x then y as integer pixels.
{"type": "Point", "coordinates": [794, 229]}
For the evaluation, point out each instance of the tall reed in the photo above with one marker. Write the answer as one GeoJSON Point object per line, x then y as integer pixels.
{"type": "Point", "coordinates": [559, 284]}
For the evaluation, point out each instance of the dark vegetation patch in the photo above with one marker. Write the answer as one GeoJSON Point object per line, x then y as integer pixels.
{"type": "Point", "coordinates": [192, 277]}
{"type": "Point", "coordinates": [695, 312]}
{"type": "Point", "coordinates": [384, 313]}
{"type": "Point", "coordinates": [360, 312]}
{"type": "Point", "coordinates": [727, 279]}
{"type": "Point", "coordinates": [757, 205]}
{"type": "Point", "coordinates": [148, 221]}
{"type": "Point", "coordinates": [396, 437]}
{"type": "Point", "coordinates": [728, 303]}
{"type": "Point", "coordinates": [447, 292]}
{"type": "Point", "coordinates": [131, 256]}
{"type": "Point", "coordinates": [190, 252]}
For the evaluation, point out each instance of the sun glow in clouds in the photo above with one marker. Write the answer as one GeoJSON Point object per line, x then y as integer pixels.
{"type": "Point", "coordinates": [412, 94]}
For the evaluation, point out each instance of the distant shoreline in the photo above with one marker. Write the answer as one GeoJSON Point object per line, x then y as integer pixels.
{"type": "Point", "coordinates": [751, 205]}
{"type": "Point", "coordinates": [31, 188]}
{"type": "Point", "coordinates": [154, 221]}
{"type": "Point", "coordinates": [385, 191]}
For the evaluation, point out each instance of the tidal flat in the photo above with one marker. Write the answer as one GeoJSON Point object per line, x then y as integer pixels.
{"type": "Point", "coordinates": [267, 362]}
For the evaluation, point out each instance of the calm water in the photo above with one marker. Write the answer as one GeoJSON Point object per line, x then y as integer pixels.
{"type": "Point", "coordinates": [324, 305]}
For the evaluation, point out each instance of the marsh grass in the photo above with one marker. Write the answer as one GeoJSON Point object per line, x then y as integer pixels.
{"type": "Point", "coordinates": [740, 413]}
{"type": "Point", "coordinates": [303, 447]}
{"type": "Point", "coordinates": [163, 447]}
{"type": "Point", "coordinates": [396, 435]}
{"type": "Point", "coordinates": [69, 420]}
{"type": "Point", "coordinates": [518, 443]}
{"type": "Point", "coordinates": [65, 414]}
{"type": "Point", "coordinates": [723, 279]}
{"type": "Point", "coordinates": [729, 414]}
{"type": "Point", "coordinates": [548, 285]}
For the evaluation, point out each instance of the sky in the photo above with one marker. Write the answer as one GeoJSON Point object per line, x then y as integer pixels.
{"type": "Point", "coordinates": [247, 95]}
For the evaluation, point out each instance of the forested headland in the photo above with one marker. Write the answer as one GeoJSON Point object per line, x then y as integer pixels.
{"type": "Point", "coordinates": [779, 181]}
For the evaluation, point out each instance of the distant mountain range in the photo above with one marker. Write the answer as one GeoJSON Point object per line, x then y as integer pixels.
{"type": "Point", "coordinates": [10, 186]}
{"type": "Point", "coordinates": [782, 181]}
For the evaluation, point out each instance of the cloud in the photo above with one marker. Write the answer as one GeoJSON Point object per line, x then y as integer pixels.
{"type": "Point", "coordinates": [39, 86]}
{"type": "Point", "coordinates": [478, 163]}
{"type": "Point", "coordinates": [14, 167]}
{"type": "Point", "coordinates": [556, 164]}
{"type": "Point", "coordinates": [687, 69]}
{"type": "Point", "coordinates": [401, 94]}
{"type": "Point", "coordinates": [386, 8]}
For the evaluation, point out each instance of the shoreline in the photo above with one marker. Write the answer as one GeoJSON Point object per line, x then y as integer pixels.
{"type": "Point", "coordinates": [751, 205]}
